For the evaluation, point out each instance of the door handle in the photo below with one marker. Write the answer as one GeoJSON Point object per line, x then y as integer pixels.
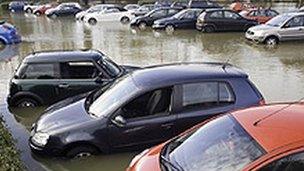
{"type": "Point", "coordinates": [63, 85]}
{"type": "Point", "coordinates": [167, 125]}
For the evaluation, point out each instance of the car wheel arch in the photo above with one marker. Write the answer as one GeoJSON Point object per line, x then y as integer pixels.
{"type": "Point", "coordinates": [30, 95]}
{"type": "Point", "coordinates": [76, 144]}
{"type": "Point", "coordinates": [3, 40]}
{"type": "Point", "coordinates": [272, 35]}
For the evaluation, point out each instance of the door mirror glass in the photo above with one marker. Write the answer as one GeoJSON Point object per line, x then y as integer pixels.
{"type": "Point", "coordinates": [119, 121]}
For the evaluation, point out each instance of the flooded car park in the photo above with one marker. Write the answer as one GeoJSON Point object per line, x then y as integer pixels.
{"type": "Point", "coordinates": [277, 72]}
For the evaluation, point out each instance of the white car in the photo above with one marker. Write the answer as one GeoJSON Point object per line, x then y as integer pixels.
{"type": "Point", "coordinates": [109, 14]}
{"type": "Point", "coordinates": [93, 9]}
{"type": "Point", "coordinates": [29, 8]}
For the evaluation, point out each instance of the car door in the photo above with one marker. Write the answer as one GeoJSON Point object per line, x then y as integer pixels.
{"type": "Point", "coordinates": [188, 20]}
{"type": "Point", "coordinates": [293, 29]}
{"type": "Point", "coordinates": [216, 18]}
{"type": "Point", "coordinates": [156, 15]}
{"type": "Point", "coordinates": [143, 121]}
{"type": "Point", "coordinates": [233, 21]}
{"type": "Point", "coordinates": [42, 80]}
{"type": "Point", "coordinates": [202, 100]}
{"type": "Point", "coordinates": [80, 77]}
{"type": "Point", "coordinates": [110, 14]}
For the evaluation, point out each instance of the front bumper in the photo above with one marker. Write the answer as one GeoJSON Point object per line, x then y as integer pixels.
{"type": "Point", "coordinates": [255, 38]}
{"type": "Point", "coordinates": [158, 26]}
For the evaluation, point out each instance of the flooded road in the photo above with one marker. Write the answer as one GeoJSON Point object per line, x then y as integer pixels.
{"type": "Point", "coordinates": [278, 72]}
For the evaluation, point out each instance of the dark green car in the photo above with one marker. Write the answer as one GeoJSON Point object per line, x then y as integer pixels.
{"type": "Point", "coordinates": [47, 77]}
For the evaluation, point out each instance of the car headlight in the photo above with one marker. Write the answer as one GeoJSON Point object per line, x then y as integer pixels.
{"type": "Point", "coordinates": [259, 33]}
{"type": "Point", "coordinates": [40, 138]}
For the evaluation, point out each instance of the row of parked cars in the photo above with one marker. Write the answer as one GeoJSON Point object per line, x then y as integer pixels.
{"type": "Point", "coordinates": [195, 110]}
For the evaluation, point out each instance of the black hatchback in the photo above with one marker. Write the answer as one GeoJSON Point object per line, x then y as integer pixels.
{"type": "Point", "coordinates": [44, 78]}
{"type": "Point", "coordinates": [142, 108]}
{"type": "Point", "coordinates": [223, 20]}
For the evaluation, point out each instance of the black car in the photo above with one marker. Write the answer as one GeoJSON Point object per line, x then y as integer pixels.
{"type": "Point", "coordinates": [142, 108]}
{"type": "Point", "coordinates": [44, 78]}
{"type": "Point", "coordinates": [64, 9]}
{"type": "Point", "coordinates": [223, 20]}
{"type": "Point", "coordinates": [185, 19]}
{"type": "Point", "coordinates": [147, 20]}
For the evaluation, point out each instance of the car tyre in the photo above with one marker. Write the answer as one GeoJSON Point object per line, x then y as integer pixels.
{"type": "Point", "coordinates": [142, 25]}
{"type": "Point", "coordinates": [54, 15]}
{"type": "Point", "coordinates": [271, 41]}
{"type": "Point", "coordinates": [26, 102]}
{"type": "Point", "coordinates": [81, 151]}
{"type": "Point", "coordinates": [208, 29]}
{"type": "Point", "coordinates": [37, 13]}
{"type": "Point", "coordinates": [92, 21]}
{"type": "Point", "coordinates": [125, 20]}
{"type": "Point", "coordinates": [169, 28]}
{"type": "Point", "coordinates": [28, 10]}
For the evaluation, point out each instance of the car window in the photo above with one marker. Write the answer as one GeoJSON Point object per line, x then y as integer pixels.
{"type": "Point", "coordinates": [293, 162]}
{"type": "Point", "coordinates": [231, 15]}
{"type": "Point", "coordinates": [150, 103]}
{"type": "Point", "coordinates": [252, 13]}
{"type": "Point", "coordinates": [296, 22]}
{"type": "Point", "coordinates": [206, 94]}
{"type": "Point", "coordinates": [190, 15]}
{"type": "Point", "coordinates": [41, 71]}
{"type": "Point", "coordinates": [172, 11]}
{"type": "Point", "coordinates": [159, 13]}
{"type": "Point", "coordinates": [216, 14]}
{"type": "Point", "coordinates": [78, 70]}
{"type": "Point", "coordinates": [271, 13]}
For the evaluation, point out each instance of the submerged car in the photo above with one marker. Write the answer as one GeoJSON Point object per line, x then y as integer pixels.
{"type": "Point", "coordinates": [284, 27]}
{"type": "Point", "coordinates": [147, 20]}
{"type": "Point", "coordinates": [109, 14]}
{"type": "Point", "coordinates": [44, 78]}
{"type": "Point", "coordinates": [8, 34]}
{"type": "Point", "coordinates": [213, 20]}
{"type": "Point", "coordinates": [16, 6]}
{"type": "Point", "coordinates": [142, 108]}
{"type": "Point", "coordinates": [259, 15]}
{"type": "Point", "coordinates": [185, 19]}
{"type": "Point", "coordinates": [267, 138]}
{"type": "Point", "coordinates": [64, 9]}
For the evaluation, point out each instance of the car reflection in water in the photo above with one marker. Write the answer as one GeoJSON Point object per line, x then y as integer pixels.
{"type": "Point", "coordinates": [9, 51]}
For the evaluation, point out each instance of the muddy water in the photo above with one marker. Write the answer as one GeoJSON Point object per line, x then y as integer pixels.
{"type": "Point", "coordinates": [277, 72]}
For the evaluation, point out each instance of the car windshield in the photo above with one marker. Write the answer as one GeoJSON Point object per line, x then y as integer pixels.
{"type": "Point", "coordinates": [113, 69]}
{"type": "Point", "coordinates": [180, 14]}
{"type": "Point", "coordinates": [278, 20]}
{"type": "Point", "coordinates": [121, 90]}
{"type": "Point", "coordinates": [221, 144]}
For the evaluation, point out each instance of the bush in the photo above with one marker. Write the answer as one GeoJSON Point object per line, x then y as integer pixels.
{"type": "Point", "coordinates": [9, 156]}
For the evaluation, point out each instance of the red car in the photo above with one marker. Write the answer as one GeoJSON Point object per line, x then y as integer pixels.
{"type": "Point", "coordinates": [239, 6]}
{"type": "Point", "coordinates": [266, 138]}
{"type": "Point", "coordinates": [259, 15]}
{"type": "Point", "coordinates": [41, 9]}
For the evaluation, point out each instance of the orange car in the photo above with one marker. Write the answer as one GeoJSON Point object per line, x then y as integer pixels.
{"type": "Point", "coordinates": [259, 15]}
{"type": "Point", "coordinates": [267, 138]}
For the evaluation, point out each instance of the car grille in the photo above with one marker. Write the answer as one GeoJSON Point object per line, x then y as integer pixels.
{"type": "Point", "coordinates": [250, 32]}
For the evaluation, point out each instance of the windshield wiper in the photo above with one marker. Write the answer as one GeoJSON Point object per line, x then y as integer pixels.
{"type": "Point", "coordinates": [176, 167]}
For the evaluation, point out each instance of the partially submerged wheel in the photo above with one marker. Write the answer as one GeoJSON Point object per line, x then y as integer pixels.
{"type": "Point", "coordinates": [92, 21]}
{"type": "Point", "coordinates": [125, 20]}
{"type": "Point", "coordinates": [208, 29]}
{"type": "Point", "coordinates": [38, 13]}
{"type": "Point", "coordinates": [81, 152]}
{"type": "Point", "coordinates": [142, 25]}
{"type": "Point", "coordinates": [169, 29]}
{"type": "Point", "coordinates": [26, 102]}
{"type": "Point", "coordinates": [29, 10]}
{"type": "Point", "coordinates": [271, 41]}
{"type": "Point", "coordinates": [54, 15]}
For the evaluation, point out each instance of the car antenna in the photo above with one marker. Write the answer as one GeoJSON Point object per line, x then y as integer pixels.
{"type": "Point", "coordinates": [277, 111]}
{"type": "Point", "coordinates": [225, 64]}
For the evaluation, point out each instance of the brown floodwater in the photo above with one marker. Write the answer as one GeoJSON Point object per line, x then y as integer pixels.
{"type": "Point", "coordinates": [277, 72]}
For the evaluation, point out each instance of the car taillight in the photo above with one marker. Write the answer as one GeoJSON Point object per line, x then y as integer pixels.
{"type": "Point", "coordinates": [262, 102]}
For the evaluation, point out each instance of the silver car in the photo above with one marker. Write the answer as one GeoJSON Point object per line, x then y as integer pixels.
{"type": "Point", "coordinates": [289, 26]}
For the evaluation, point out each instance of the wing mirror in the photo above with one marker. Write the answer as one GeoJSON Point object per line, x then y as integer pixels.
{"type": "Point", "coordinates": [119, 121]}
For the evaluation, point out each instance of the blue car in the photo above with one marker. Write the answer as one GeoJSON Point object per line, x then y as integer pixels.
{"type": "Point", "coordinates": [16, 6]}
{"type": "Point", "coordinates": [8, 34]}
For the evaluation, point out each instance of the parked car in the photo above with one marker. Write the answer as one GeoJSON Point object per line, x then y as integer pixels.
{"type": "Point", "coordinates": [29, 8]}
{"type": "Point", "coordinates": [109, 14]}
{"type": "Point", "coordinates": [213, 20]}
{"type": "Point", "coordinates": [8, 34]}
{"type": "Point", "coordinates": [61, 74]}
{"type": "Point", "coordinates": [43, 8]}
{"type": "Point", "coordinates": [203, 4]}
{"type": "Point", "coordinates": [266, 138]}
{"type": "Point", "coordinates": [93, 9]}
{"type": "Point", "coordinates": [179, 4]}
{"type": "Point", "coordinates": [64, 9]}
{"type": "Point", "coordinates": [162, 3]}
{"type": "Point", "coordinates": [284, 27]}
{"type": "Point", "coordinates": [144, 9]}
{"type": "Point", "coordinates": [259, 15]}
{"type": "Point", "coordinates": [142, 108]}
{"type": "Point", "coordinates": [16, 6]}
{"type": "Point", "coordinates": [240, 6]}
{"type": "Point", "coordinates": [131, 7]}
{"type": "Point", "coordinates": [147, 20]}
{"type": "Point", "coordinates": [185, 19]}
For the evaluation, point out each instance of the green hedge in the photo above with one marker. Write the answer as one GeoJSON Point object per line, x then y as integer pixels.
{"type": "Point", "coordinates": [9, 156]}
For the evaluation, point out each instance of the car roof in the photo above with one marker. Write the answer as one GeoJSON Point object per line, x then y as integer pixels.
{"type": "Point", "coordinates": [217, 9]}
{"type": "Point", "coordinates": [73, 55]}
{"type": "Point", "coordinates": [282, 124]}
{"type": "Point", "coordinates": [177, 73]}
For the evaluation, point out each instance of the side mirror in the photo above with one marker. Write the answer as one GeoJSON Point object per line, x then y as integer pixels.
{"type": "Point", "coordinates": [99, 78]}
{"type": "Point", "coordinates": [119, 121]}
